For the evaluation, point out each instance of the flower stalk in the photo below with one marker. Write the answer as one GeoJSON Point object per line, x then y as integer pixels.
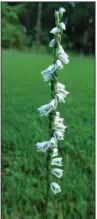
{"type": "Point", "coordinates": [56, 124]}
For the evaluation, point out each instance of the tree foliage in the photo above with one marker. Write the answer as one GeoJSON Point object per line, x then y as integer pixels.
{"type": "Point", "coordinates": [19, 24]}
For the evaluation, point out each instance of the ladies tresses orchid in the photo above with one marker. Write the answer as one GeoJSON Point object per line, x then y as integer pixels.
{"type": "Point", "coordinates": [55, 188]}
{"type": "Point", "coordinates": [58, 92]}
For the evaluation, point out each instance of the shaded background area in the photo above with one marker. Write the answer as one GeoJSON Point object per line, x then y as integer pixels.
{"type": "Point", "coordinates": [25, 31]}
{"type": "Point", "coordinates": [28, 24]}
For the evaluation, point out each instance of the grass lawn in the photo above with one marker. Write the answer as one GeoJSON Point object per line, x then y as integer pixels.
{"type": "Point", "coordinates": [23, 169]}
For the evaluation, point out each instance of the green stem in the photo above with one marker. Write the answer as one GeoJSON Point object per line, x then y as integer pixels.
{"type": "Point", "coordinates": [51, 121]}
{"type": "Point", "coordinates": [49, 153]}
{"type": "Point", "coordinates": [48, 182]}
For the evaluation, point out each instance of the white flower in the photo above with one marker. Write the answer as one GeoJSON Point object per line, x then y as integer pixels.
{"type": "Point", "coordinates": [52, 43]}
{"type": "Point", "coordinates": [53, 142]}
{"type": "Point", "coordinates": [55, 152]}
{"type": "Point", "coordinates": [60, 86]}
{"type": "Point", "coordinates": [63, 59]}
{"type": "Point", "coordinates": [61, 93]}
{"type": "Point", "coordinates": [58, 119]}
{"type": "Point", "coordinates": [61, 50]}
{"type": "Point", "coordinates": [62, 55]}
{"type": "Point", "coordinates": [57, 161]}
{"type": "Point", "coordinates": [57, 172]}
{"type": "Point", "coordinates": [58, 64]}
{"type": "Point", "coordinates": [60, 127]}
{"type": "Point", "coordinates": [47, 74]}
{"type": "Point", "coordinates": [46, 109]}
{"type": "Point", "coordinates": [59, 135]}
{"type": "Point", "coordinates": [59, 131]}
{"type": "Point", "coordinates": [55, 188]}
{"type": "Point", "coordinates": [55, 30]}
{"type": "Point", "coordinates": [61, 11]}
{"type": "Point", "coordinates": [57, 114]}
{"type": "Point", "coordinates": [43, 146]}
{"type": "Point", "coordinates": [62, 26]}
{"type": "Point", "coordinates": [58, 122]}
{"type": "Point", "coordinates": [60, 98]}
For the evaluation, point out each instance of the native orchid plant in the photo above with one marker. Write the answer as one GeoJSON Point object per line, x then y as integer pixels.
{"type": "Point", "coordinates": [58, 94]}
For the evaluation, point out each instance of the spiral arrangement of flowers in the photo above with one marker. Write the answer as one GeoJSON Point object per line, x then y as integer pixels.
{"type": "Point", "coordinates": [58, 93]}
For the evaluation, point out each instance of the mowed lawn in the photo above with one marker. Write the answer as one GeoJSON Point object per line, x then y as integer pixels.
{"type": "Point", "coordinates": [23, 168]}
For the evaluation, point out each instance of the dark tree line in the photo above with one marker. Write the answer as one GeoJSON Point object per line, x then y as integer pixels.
{"type": "Point", "coordinates": [28, 24]}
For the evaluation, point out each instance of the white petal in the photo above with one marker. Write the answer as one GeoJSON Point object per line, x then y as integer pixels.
{"type": "Point", "coordinates": [61, 93]}
{"type": "Point", "coordinates": [61, 51]}
{"type": "Point", "coordinates": [62, 10]}
{"type": "Point", "coordinates": [47, 74]}
{"type": "Point", "coordinates": [55, 30]}
{"type": "Point", "coordinates": [55, 152]}
{"type": "Point", "coordinates": [63, 58]}
{"type": "Point", "coordinates": [57, 113]}
{"type": "Point", "coordinates": [58, 120]}
{"type": "Point", "coordinates": [60, 85]}
{"type": "Point", "coordinates": [43, 146]}
{"type": "Point", "coordinates": [52, 43]}
{"type": "Point", "coordinates": [57, 172]}
{"type": "Point", "coordinates": [60, 126]}
{"type": "Point", "coordinates": [53, 142]}
{"type": "Point", "coordinates": [53, 103]}
{"type": "Point", "coordinates": [57, 161]}
{"type": "Point", "coordinates": [46, 109]}
{"type": "Point", "coordinates": [60, 98]}
{"type": "Point", "coordinates": [51, 68]}
{"type": "Point", "coordinates": [59, 135]}
{"type": "Point", "coordinates": [62, 26]}
{"type": "Point", "coordinates": [55, 187]}
{"type": "Point", "coordinates": [58, 64]}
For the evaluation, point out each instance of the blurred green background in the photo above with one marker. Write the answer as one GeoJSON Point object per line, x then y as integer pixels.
{"type": "Point", "coordinates": [25, 53]}
{"type": "Point", "coordinates": [29, 24]}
